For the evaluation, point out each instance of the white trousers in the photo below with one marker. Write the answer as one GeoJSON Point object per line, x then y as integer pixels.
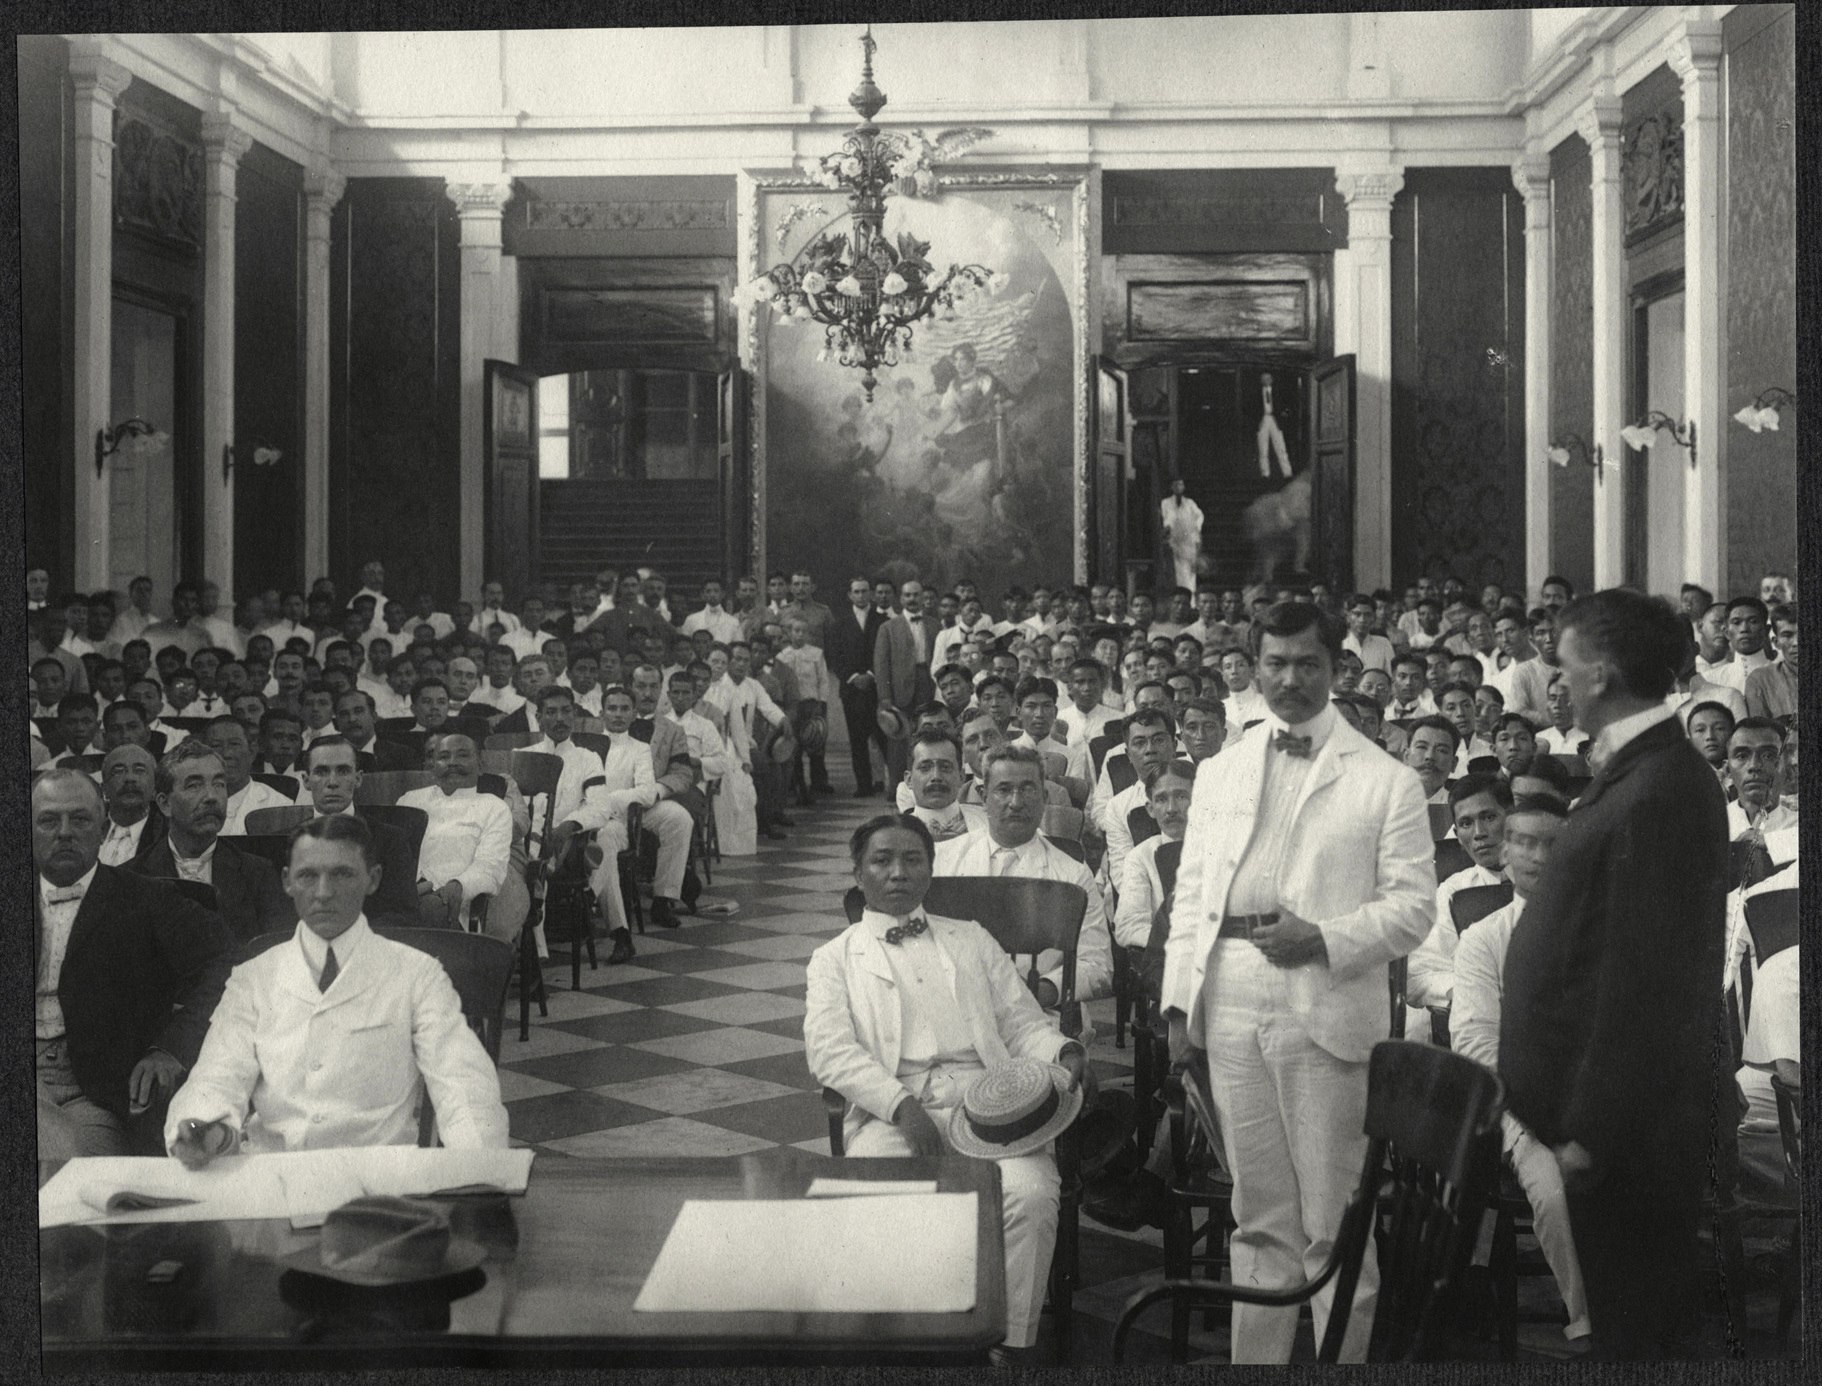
{"type": "Point", "coordinates": [605, 881]}
{"type": "Point", "coordinates": [1542, 1180]}
{"type": "Point", "coordinates": [1029, 1195]}
{"type": "Point", "coordinates": [1293, 1120]}
{"type": "Point", "coordinates": [670, 822]}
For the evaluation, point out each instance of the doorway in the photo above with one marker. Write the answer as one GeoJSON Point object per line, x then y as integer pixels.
{"type": "Point", "coordinates": [142, 493]}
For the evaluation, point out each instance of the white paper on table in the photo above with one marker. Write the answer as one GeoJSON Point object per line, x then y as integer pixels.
{"type": "Point", "coordinates": [302, 1185]}
{"type": "Point", "coordinates": [895, 1254]}
{"type": "Point", "coordinates": [879, 1188]}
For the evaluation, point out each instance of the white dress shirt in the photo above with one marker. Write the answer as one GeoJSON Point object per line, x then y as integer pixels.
{"type": "Point", "coordinates": [814, 680]}
{"type": "Point", "coordinates": [739, 701]}
{"type": "Point", "coordinates": [281, 632]}
{"type": "Point", "coordinates": [59, 906]}
{"type": "Point", "coordinates": [1430, 973]}
{"type": "Point", "coordinates": [121, 845]}
{"type": "Point", "coordinates": [300, 1068]}
{"type": "Point", "coordinates": [706, 744]}
{"type": "Point", "coordinates": [1616, 735]}
{"type": "Point", "coordinates": [1732, 673]}
{"type": "Point", "coordinates": [1248, 705]}
{"type": "Point", "coordinates": [200, 868]}
{"type": "Point", "coordinates": [717, 621]}
{"type": "Point", "coordinates": [388, 705]}
{"type": "Point", "coordinates": [1114, 811]}
{"type": "Point", "coordinates": [957, 819]}
{"type": "Point", "coordinates": [1141, 893]}
{"type": "Point", "coordinates": [579, 765]}
{"type": "Point", "coordinates": [524, 643]}
{"type": "Point", "coordinates": [252, 795]}
{"type": "Point", "coordinates": [1479, 984]}
{"type": "Point", "coordinates": [1255, 883]}
{"type": "Point", "coordinates": [468, 839]}
{"type": "Point", "coordinates": [978, 855]}
{"type": "Point", "coordinates": [1561, 743]}
{"type": "Point", "coordinates": [626, 779]}
{"type": "Point", "coordinates": [490, 615]}
{"type": "Point", "coordinates": [1375, 651]}
{"type": "Point", "coordinates": [1084, 727]}
{"type": "Point", "coordinates": [1395, 711]}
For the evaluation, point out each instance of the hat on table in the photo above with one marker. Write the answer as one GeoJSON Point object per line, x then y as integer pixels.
{"type": "Point", "coordinates": [380, 1241]}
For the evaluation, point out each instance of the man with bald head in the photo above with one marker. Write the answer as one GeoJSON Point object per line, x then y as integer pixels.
{"type": "Point", "coordinates": [127, 975]}
{"type": "Point", "coordinates": [135, 825]}
{"type": "Point", "coordinates": [467, 845]}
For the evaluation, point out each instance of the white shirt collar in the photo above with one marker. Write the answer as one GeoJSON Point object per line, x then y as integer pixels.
{"type": "Point", "coordinates": [1317, 728]}
{"type": "Point", "coordinates": [877, 923]}
{"type": "Point", "coordinates": [82, 884]}
{"type": "Point", "coordinates": [1616, 735]}
{"type": "Point", "coordinates": [316, 948]}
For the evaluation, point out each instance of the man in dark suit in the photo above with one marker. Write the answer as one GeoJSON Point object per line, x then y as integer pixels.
{"type": "Point", "coordinates": [128, 974]}
{"type": "Point", "coordinates": [192, 793]}
{"type": "Point", "coordinates": [901, 667]}
{"type": "Point", "coordinates": [354, 720]}
{"type": "Point", "coordinates": [134, 826]}
{"type": "Point", "coordinates": [332, 773]}
{"type": "Point", "coordinates": [848, 647]}
{"type": "Point", "coordinates": [1611, 1040]}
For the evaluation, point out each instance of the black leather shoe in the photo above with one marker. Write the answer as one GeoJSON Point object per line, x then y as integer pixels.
{"type": "Point", "coordinates": [664, 913]}
{"type": "Point", "coordinates": [1141, 1200]}
{"type": "Point", "coordinates": [623, 947]}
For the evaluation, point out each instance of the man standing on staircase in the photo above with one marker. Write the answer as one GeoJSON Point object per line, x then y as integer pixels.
{"type": "Point", "coordinates": [1183, 532]}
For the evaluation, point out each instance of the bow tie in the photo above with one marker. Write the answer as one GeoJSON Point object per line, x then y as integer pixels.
{"type": "Point", "coordinates": [911, 928]}
{"type": "Point", "coordinates": [1291, 745]}
{"type": "Point", "coordinates": [68, 895]}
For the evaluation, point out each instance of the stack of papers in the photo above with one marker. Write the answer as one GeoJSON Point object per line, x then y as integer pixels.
{"type": "Point", "coordinates": [905, 1253]}
{"type": "Point", "coordinates": [302, 1185]}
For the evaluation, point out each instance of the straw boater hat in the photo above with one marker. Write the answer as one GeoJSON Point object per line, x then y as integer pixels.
{"type": "Point", "coordinates": [783, 747]}
{"type": "Point", "coordinates": [893, 722]}
{"type": "Point", "coordinates": [813, 736]}
{"type": "Point", "coordinates": [1014, 1108]}
{"type": "Point", "coordinates": [379, 1242]}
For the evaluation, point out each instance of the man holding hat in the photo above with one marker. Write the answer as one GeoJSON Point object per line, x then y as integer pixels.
{"type": "Point", "coordinates": [906, 1011]}
{"type": "Point", "coordinates": [334, 1037]}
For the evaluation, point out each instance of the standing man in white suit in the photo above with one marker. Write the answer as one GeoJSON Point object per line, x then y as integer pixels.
{"type": "Point", "coordinates": [1306, 871]}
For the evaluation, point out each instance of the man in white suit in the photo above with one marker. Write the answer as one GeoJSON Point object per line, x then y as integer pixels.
{"type": "Point", "coordinates": [1306, 871]}
{"type": "Point", "coordinates": [903, 1011]}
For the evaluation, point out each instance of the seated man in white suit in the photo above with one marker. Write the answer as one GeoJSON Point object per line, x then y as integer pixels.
{"type": "Point", "coordinates": [1306, 871]}
{"type": "Point", "coordinates": [904, 1011]}
{"type": "Point", "coordinates": [335, 1037]}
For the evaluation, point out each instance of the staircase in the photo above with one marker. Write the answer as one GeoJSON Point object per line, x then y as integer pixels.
{"type": "Point", "coordinates": [1224, 497]}
{"type": "Point", "coordinates": [673, 526]}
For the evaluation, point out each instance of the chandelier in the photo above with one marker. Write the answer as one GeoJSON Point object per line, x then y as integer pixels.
{"type": "Point", "coordinates": [865, 290]}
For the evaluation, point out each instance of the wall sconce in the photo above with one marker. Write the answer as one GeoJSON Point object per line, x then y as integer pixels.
{"type": "Point", "coordinates": [1575, 448]}
{"type": "Point", "coordinates": [1762, 413]}
{"type": "Point", "coordinates": [108, 441]}
{"type": "Point", "coordinates": [1644, 433]}
{"type": "Point", "coordinates": [262, 457]}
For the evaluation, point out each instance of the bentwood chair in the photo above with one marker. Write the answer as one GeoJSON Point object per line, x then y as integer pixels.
{"type": "Point", "coordinates": [535, 773]}
{"type": "Point", "coordinates": [1432, 1148]}
{"type": "Point", "coordinates": [1026, 917]}
{"type": "Point", "coordinates": [384, 787]}
{"type": "Point", "coordinates": [281, 819]}
{"type": "Point", "coordinates": [1199, 1183]}
{"type": "Point", "coordinates": [479, 967]}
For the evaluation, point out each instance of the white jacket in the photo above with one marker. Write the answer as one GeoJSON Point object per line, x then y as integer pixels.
{"type": "Point", "coordinates": [1358, 864]}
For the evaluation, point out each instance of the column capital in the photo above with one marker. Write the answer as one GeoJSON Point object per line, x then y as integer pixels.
{"type": "Point", "coordinates": [1598, 121]}
{"type": "Point", "coordinates": [1695, 52]}
{"type": "Point", "coordinates": [323, 186]}
{"type": "Point", "coordinates": [224, 139]}
{"type": "Point", "coordinates": [97, 76]}
{"type": "Point", "coordinates": [1370, 189]}
{"type": "Point", "coordinates": [480, 201]}
{"type": "Point", "coordinates": [1531, 176]}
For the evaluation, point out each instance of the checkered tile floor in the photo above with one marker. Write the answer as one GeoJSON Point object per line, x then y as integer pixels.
{"type": "Point", "coordinates": [695, 1048]}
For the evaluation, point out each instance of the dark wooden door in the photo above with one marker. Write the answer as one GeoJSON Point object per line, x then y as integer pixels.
{"type": "Point", "coordinates": [1112, 467]}
{"type": "Point", "coordinates": [510, 427]}
{"type": "Point", "coordinates": [1331, 435]}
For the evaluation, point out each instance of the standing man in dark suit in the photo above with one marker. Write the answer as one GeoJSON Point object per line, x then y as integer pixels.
{"type": "Point", "coordinates": [128, 974]}
{"type": "Point", "coordinates": [901, 668]}
{"type": "Point", "coordinates": [1610, 1038]}
{"type": "Point", "coordinates": [848, 647]}
{"type": "Point", "coordinates": [192, 790]}
{"type": "Point", "coordinates": [331, 774]}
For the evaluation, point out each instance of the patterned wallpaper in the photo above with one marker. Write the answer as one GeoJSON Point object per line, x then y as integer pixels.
{"type": "Point", "coordinates": [1572, 359]}
{"type": "Point", "coordinates": [395, 397]}
{"type": "Point", "coordinates": [1761, 300]}
{"type": "Point", "coordinates": [1458, 377]}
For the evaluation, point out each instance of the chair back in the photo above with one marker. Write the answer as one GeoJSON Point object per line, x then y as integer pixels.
{"type": "Point", "coordinates": [413, 822]}
{"type": "Point", "coordinates": [1771, 917]}
{"type": "Point", "coordinates": [1748, 863]}
{"type": "Point", "coordinates": [1056, 765]}
{"type": "Point", "coordinates": [282, 784]}
{"type": "Point", "coordinates": [1442, 819]}
{"type": "Point", "coordinates": [1472, 904]}
{"type": "Point", "coordinates": [539, 772]}
{"type": "Point", "coordinates": [597, 741]}
{"type": "Point", "coordinates": [1484, 765]}
{"type": "Point", "coordinates": [1026, 917]}
{"type": "Point", "coordinates": [90, 764]}
{"type": "Point", "coordinates": [197, 892]}
{"type": "Point", "coordinates": [192, 726]}
{"type": "Point", "coordinates": [1450, 857]}
{"type": "Point", "coordinates": [385, 786]}
{"type": "Point", "coordinates": [1433, 1148]}
{"type": "Point", "coordinates": [1169, 858]}
{"type": "Point", "coordinates": [1397, 977]}
{"type": "Point", "coordinates": [388, 726]}
{"type": "Point", "coordinates": [1140, 824]}
{"type": "Point", "coordinates": [511, 741]}
{"type": "Point", "coordinates": [274, 847]}
{"type": "Point", "coordinates": [480, 967]}
{"type": "Point", "coordinates": [1790, 1127]}
{"type": "Point", "coordinates": [278, 821]}
{"type": "Point", "coordinates": [1063, 823]}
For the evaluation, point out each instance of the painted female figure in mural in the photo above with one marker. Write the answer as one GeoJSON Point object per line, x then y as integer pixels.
{"type": "Point", "coordinates": [968, 469]}
{"type": "Point", "coordinates": [1183, 532]}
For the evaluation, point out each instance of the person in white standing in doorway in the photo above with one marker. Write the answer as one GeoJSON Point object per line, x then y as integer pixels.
{"type": "Point", "coordinates": [1183, 532]}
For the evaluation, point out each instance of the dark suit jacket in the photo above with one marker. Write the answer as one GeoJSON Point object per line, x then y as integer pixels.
{"type": "Point", "coordinates": [143, 970]}
{"type": "Point", "coordinates": [619, 625]}
{"type": "Point", "coordinates": [152, 835]}
{"type": "Point", "coordinates": [846, 646]}
{"type": "Point", "coordinates": [247, 887]}
{"type": "Point", "coordinates": [1612, 1007]}
{"type": "Point", "coordinates": [519, 720]}
{"type": "Point", "coordinates": [389, 755]}
{"type": "Point", "coordinates": [903, 679]}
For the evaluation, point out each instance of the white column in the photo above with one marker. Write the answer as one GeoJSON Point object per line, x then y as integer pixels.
{"type": "Point", "coordinates": [1599, 124]}
{"type": "Point", "coordinates": [1363, 325]}
{"type": "Point", "coordinates": [224, 143]}
{"type": "Point", "coordinates": [481, 207]}
{"type": "Point", "coordinates": [99, 81]}
{"type": "Point", "coordinates": [1696, 58]}
{"type": "Point", "coordinates": [322, 190]}
{"type": "Point", "coordinates": [1532, 177]}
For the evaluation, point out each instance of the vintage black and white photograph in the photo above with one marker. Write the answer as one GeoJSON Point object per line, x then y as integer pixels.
{"type": "Point", "coordinates": [1060, 692]}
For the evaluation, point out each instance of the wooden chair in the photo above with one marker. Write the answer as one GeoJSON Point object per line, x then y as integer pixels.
{"type": "Point", "coordinates": [1442, 820]}
{"type": "Point", "coordinates": [1790, 1132]}
{"type": "Point", "coordinates": [479, 967]}
{"type": "Point", "coordinates": [535, 772]}
{"type": "Point", "coordinates": [1140, 825]}
{"type": "Point", "coordinates": [566, 895]}
{"type": "Point", "coordinates": [1484, 765]}
{"type": "Point", "coordinates": [413, 822]}
{"type": "Point", "coordinates": [1397, 976]}
{"type": "Point", "coordinates": [1773, 920]}
{"type": "Point", "coordinates": [1450, 857]}
{"type": "Point", "coordinates": [1748, 863]}
{"type": "Point", "coordinates": [597, 741]}
{"type": "Point", "coordinates": [1056, 765]}
{"type": "Point", "coordinates": [1199, 1183]}
{"type": "Point", "coordinates": [279, 821]}
{"type": "Point", "coordinates": [1062, 823]}
{"type": "Point", "coordinates": [274, 847]}
{"type": "Point", "coordinates": [385, 786]}
{"type": "Point", "coordinates": [1472, 904]}
{"type": "Point", "coordinates": [283, 784]}
{"type": "Point", "coordinates": [1433, 1145]}
{"type": "Point", "coordinates": [511, 741]}
{"type": "Point", "coordinates": [1025, 917]}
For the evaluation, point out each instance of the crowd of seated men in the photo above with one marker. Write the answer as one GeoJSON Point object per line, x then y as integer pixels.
{"type": "Point", "coordinates": [1058, 740]}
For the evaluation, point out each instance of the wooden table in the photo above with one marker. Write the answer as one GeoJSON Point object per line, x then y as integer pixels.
{"type": "Point", "coordinates": [564, 1265]}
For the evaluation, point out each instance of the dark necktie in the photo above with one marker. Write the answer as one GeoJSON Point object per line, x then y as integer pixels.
{"type": "Point", "coordinates": [330, 972]}
{"type": "Point", "coordinates": [1291, 745]}
{"type": "Point", "coordinates": [911, 928]}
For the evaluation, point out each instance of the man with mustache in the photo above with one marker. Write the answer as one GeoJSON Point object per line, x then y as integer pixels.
{"type": "Point", "coordinates": [467, 846]}
{"type": "Point", "coordinates": [134, 825]}
{"type": "Point", "coordinates": [192, 791]}
{"type": "Point", "coordinates": [935, 781]}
